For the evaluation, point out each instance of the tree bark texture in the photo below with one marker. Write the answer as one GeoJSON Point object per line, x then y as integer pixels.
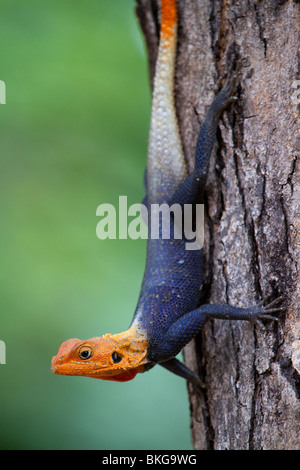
{"type": "Point", "coordinates": [252, 240]}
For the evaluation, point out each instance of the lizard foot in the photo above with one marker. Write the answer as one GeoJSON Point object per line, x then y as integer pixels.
{"type": "Point", "coordinates": [226, 95]}
{"type": "Point", "coordinates": [265, 310]}
{"type": "Point", "coordinates": [227, 92]}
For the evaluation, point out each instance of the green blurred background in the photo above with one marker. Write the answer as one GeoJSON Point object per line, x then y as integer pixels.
{"type": "Point", "coordinates": [74, 135]}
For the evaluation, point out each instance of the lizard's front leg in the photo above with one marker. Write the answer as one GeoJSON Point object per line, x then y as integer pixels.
{"type": "Point", "coordinates": [178, 368]}
{"type": "Point", "coordinates": [190, 324]}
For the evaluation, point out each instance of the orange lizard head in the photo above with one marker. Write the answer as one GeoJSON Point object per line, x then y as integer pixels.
{"type": "Point", "coordinates": [110, 357]}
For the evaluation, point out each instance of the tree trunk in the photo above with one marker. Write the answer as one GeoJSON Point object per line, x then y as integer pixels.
{"type": "Point", "coordinates": [252, 243]}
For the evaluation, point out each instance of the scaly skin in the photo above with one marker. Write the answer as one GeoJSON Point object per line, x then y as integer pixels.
{"type": "Point", "coordinates": [166, 164]}
{"type": "Point", "coordinates": [167, 315]}
{"type": "Point", "coordinates": [93, 357]}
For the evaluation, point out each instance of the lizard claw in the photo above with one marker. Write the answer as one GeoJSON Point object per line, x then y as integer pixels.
{"type": "Point", "coordinates": [266, 310]}
{"type": "Point", "coordinates": [226, 95]}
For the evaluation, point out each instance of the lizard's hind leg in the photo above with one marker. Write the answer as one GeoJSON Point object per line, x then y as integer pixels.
{"type": "Point", "coordinates": [195, 182]}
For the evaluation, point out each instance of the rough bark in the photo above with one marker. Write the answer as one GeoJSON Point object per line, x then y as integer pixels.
{"type": "Point", "coordinates": [252, 245]}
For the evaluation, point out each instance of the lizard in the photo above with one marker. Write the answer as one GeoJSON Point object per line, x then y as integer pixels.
{"type": "Point", "coordinates": [168, 314]}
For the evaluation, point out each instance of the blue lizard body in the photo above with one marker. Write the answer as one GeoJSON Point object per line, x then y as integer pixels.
{"type": "Point", "coordinates": [168, 314]}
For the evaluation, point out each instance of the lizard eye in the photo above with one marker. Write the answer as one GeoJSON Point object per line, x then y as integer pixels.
{"type": "Point", "coordinates": [85, 352]}
{"type": "Point", "coordinates": [116, 357]}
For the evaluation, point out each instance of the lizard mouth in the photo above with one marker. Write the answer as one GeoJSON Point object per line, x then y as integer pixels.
{"type": "Point", "coordinates": [121, 377]}
{"type": "Point", "coordinates": [59, 369]}
{"type": "Point", "coordinates": [54, 369]}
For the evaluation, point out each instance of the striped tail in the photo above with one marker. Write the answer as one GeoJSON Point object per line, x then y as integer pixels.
{"type": "Point", "coordinates": [166, 166]}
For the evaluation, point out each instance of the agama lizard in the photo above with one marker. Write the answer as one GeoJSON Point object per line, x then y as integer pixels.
{"type": "Point", "coordinates": [167, 315]}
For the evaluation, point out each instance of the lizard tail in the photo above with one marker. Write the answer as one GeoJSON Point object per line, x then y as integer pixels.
{"type": "Point", "coordinates": [166, 166]}
{"type": "Point", "coordinates": [168, 18]}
